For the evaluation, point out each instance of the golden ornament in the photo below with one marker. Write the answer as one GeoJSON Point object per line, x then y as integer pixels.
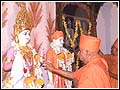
{"type": "Point", "coordinates": [23, 21]}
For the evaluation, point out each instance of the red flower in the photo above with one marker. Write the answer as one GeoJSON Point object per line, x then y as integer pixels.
{"type": "Point", "coordinates": [25, 70]}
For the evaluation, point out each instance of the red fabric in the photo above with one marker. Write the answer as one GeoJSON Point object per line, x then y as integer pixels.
{"type": "Point", "coordinates": [93, 75]}
{"type": "Point", "coordinates": [58, 81]}
{"type": "Point", "coordinates": [113, 67]}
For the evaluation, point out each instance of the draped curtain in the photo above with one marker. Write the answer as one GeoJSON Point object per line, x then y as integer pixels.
{"type": "Point", "coordinates": [107, 26]}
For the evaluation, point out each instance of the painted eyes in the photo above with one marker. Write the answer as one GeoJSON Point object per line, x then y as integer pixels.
{"type": "Point", "coordinates": [61, 39]}
{"type": "Point", "coordinates": [26, 33]}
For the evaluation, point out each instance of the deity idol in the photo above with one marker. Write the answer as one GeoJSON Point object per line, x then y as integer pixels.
{"type": "Point", "coordinates": [22, 61]}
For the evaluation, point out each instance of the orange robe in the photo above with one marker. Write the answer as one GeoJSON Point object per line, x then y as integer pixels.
{"type": "Point", "coordinates": [58, 81]}
{"type": "Point", "coordinates": [113, 67]}
{"type": "Point", "coordinates": [93, 75]}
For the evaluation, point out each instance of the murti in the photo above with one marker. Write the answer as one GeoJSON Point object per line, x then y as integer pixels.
{"type": "Point", "coordinates": [64, 62]}
{"type": "Point", "coordinates": [32, 61]}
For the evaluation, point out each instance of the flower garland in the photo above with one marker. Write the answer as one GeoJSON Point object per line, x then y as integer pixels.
{"type": "Point", "coordinates": [77, 24]}
{"type": "Point", "coordinates": [68, 35]}
{"type": "Point", "coordinates": [61, 56]}
{"type": "Point", "coordinates": [35, 79]}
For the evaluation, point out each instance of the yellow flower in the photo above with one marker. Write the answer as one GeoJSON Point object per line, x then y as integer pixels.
{"type": "Point", "coordinates": [32, 78]}
{"type": "Point", "coordinates": [60, 56]}
{"type": "Point", "coordinates": [76, 34]}
{"type": "Point", "coordinates": [39, 81]}
{"type": "Point", "coordinates": [37, 57]}
{"type": "Point", "coordinates": [72, 43]}
{"type": "Point", "coordinates": [69, 55]}
{"type": "Point", "coordinates": [29, 80]}
{"type": "Point", "coordinates": [8, 80]}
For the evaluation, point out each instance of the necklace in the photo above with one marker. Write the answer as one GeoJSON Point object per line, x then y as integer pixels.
{"type": "Point", "coordinates": [26, 51]}
{"type": "Point", "coordinates": [27, 54]}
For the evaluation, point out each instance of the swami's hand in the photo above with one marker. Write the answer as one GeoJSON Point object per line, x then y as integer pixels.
{"type": "Point", "coordinates": [48, 66]}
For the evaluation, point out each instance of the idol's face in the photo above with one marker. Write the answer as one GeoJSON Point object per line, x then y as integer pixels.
{"type": "Point", "coordinates": [24, 37]}
{"type": "Point", "coordinates": [59, 42]}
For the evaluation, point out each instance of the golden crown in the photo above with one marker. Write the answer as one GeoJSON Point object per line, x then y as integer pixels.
{"type": "Point", "coordinates": [23, 21]}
